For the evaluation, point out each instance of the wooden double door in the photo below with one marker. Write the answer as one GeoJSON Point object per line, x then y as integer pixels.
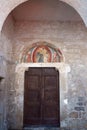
{"type": "Point", "coordinates": [41, 97]}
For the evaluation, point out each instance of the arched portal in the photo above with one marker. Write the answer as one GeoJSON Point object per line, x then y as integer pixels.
{"type": "Point", "coordinates": [42, 82]}
{"type": "Point", "coordinates": [10, 6]}
{"type": "Point", "coordinates": [23, 67]}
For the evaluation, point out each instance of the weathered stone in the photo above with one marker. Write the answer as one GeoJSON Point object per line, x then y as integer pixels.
{"type": "Point", "coordinates": [80, 103]}
{"type": "Point", "coordinates": [72, 52]}
{"type": "Point", "coordinates": [73, 115]}
{"type": "Point", "coordinates": [80, 114]}
{"type": "Point", "coordinates": [80, 99]}
{"type": "Point", "coordinates": [79, 108]}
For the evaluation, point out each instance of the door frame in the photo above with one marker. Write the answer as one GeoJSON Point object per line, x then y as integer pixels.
{"type": "Point", "coordinates": [63, 69]}
{"type": "Point", "coordinates": [53, 73]}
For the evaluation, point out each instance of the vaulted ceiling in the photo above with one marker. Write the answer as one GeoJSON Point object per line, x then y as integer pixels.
{"type": "Point", "coordinates": [50, 10]}
{"type": "Point", "coordinates": [6, 6]}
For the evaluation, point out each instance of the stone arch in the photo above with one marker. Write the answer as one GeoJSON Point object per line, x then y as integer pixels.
{"type": "Point", "coordinates": [8, 6]}
{"type": "Point", "coordinates": [76, 4]}
{"type": "Point", "coordinates": [49, 52]}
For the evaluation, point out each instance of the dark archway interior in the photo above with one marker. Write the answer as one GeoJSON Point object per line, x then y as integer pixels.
{"type": "Point", "coordinates": [60, 25]}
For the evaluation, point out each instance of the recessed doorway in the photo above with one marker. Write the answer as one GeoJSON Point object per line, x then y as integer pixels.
{"type": "Point", "coordinates": [41, 97]}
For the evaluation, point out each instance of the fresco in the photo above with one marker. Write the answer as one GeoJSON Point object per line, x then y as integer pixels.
{"type": "Point", "coordinates": [42, 54]}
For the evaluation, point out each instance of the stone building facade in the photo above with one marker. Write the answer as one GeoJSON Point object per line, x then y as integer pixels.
{"type": "Point", "coordinates": [58, 24]}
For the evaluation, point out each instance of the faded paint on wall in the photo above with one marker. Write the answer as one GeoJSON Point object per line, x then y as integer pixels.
{"type": "Point", "coordinates": [42, 52]}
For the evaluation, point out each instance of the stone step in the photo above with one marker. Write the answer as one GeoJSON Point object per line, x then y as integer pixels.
{"type": "Point", "coordinates": [45, 128]}
{"type": "Point", "coordinates": [41, 129]}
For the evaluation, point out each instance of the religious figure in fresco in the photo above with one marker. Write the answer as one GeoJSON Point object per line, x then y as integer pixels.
{"type": "Point", "coordinates": [42, 54]}
{"type": "Point", "coordinates": [54, 57]}
{"type": "Point", "coordinates": [40, 57]}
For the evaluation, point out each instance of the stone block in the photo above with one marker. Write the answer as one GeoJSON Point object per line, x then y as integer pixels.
{"type": "Point", "coordinates": [79, 108]}
{"type": "Point", "coordinates": [73, 115]}
{"type": "Point", "coordinates": [80, 103]}
{"type": "Point", "coordinates": [80, 99]}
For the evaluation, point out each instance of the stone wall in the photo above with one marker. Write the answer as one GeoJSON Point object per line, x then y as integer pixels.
{"type": "Point", "coordinates": [6, 40]}
{"type": "Point", "coordinates": [71, 38]}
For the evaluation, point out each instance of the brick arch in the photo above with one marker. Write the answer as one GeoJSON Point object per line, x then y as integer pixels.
{"type": "Point", "coordinates": [7, 6]}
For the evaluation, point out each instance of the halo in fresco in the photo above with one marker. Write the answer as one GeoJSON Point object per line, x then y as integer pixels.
{"type": "Point", "coordinates": [42, 54]}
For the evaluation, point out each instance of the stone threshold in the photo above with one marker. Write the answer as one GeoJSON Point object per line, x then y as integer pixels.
{"type": "Point", "coordinates": [42, 128]}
